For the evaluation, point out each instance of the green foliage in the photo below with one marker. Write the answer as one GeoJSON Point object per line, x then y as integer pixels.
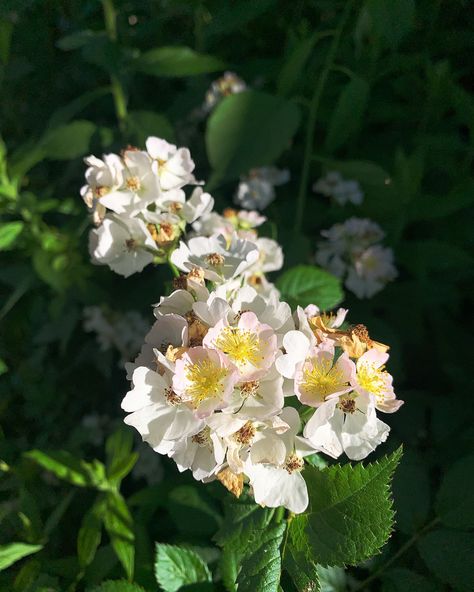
{"type": "Point", "coordinates": [350, 516]}
{"type": "Point", "coordinates": [453, 503]}
{"type": "Point", "coordinates": [9, 233]}
{"type": "Point", "coordinates": [305, 284]}
{"type": "Point", "coordinates": [232, 145]}
{"type": "Point", "coordinates": [118, 523]}
{"type": "Point", "coordinates": [13, 552]}
{"type": "Point", "coordinates": [176, 61]}
{"type": "Point", "coordinates": [177, 566]}
{"type": "Point", "coordinates": [117, 586]}
{"type": "Point", "coordinates": [90, 533]}
{"type": "Point", "coordinates": [448, 553]}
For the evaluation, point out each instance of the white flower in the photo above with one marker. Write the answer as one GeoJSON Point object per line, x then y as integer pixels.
{"type": "Point", "coordinates": [139, 187]}
{"type": "Point", "coordinates": [347, 424]}
{"type": "Point", "coordinates": [213, 224]}
{"type": "Point", "coordinates": [256, 191]}
{"type": "Point", "coordinates": [228, 84]}
{"type": "Point", "coordinates": [173, 166]}
{"type": "Point", "coordinates": [215, 256]}
{"type": "Point", "coordinates": [203, 453]}
{"type": "Point", "coordinates": [270, 256]}
{"type": "Point", "coordinates": [205, 379]}
{"type": "Point", "coordinates": [103, 177]}
{"type": "Point", "coordinates": [156, 411]}
{"type": "Point", "coordinates": [372, 270]}
{"type": "Point", "coordinates": [333, 185]}
{"type": "Point", "coordinates": [124, 244]}
{"type": "Point", "coordinates": [250, 345]}
{"type": "Point", "coordinates": [274, 467]}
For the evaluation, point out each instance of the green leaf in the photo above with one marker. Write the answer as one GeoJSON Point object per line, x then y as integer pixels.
{"type": "Point", "coordinates": [176, 61]}
{"type": "Point", "coordinates": [292, 70]}
{"type": "Point", "coordinates": [448, 554]}
{"type": "Point", "coordinates": [90, 533]}
{"type": "Point", "coordinates": [250, 556]}
{"type": "Point", "coordinates": [348, 113]}
{"type": "Point", "coordinates": [13, 552]}
{"type": "Point", "coordinates": [401, 580]}
{"type": "Point", "coordinates": [411, 492]}
{"type": "Point", "coordinates": [118, 523]}
{"type": "Point", "coordinates": [332, 579]}
{"type": "Point", "coordinates": [306, 284]}
{"type": "Point", "coordinates": [120, 459]}
{"type": "Point", "coordinates": [177, 566]}
{"type": "Point", "coordinates": [67, 141]}
{"type": "Point", "coordinates": [302, 570]}
{"type": "Point", "coordinates": [142, 124]}
{"type": "Point", "coordinates": [9, 232]}
{"type": "Point", "coordinates": [234, 147]}
{"type": "Point", "coordinates": [454, 501]}
{"type": "Point", "coordinates": [117, 586]}
{"type": "Point", "coordinates": [68, 468]}
{"type": "Point", "coordinates": [350, 516]}
{"type": "Point", "coordinates": [391, 20]}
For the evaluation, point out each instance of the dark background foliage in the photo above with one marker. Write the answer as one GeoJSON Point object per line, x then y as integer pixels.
{"type": "Point", "coordinates": [395, 113]}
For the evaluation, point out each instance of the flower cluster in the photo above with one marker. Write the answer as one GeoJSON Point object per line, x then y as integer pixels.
{"type": "Point", "coordinates": [228, 84]}
{"type": "Point", "coordinates": [257, 189]}
{"type": "Point", "coordinates": [227, 375]}
{"type": "Point", "coordinates": [340, 190]}
{"type": "Point", "coordinates": [138, 204]}
{"type": "Point", "coordinates": [352, 251]}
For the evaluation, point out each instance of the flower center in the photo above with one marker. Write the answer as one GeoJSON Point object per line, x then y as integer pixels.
{"type": "Point", "coordinates": [133, 183]}
{"type": "Point", "coordinates": [293, 463]}
{"type": "Point", "coordinates": [250, 388]}
{"type": "Point", "coordinates": [202, 438]}
{"type": "Point", "coordinates": [101, 190]}
{"type": "Point", "coordinates": [205, 380]}
{"type": "Point", "coordinates": [322, 378]}
{"type": "Point", "coordinates": [171, 397]}
{"type": "Point", "coordinates": [246, 433]}
{"type": "Point", "coordinates": [131, 244]}
{"type": "Point", "coordinates": [214, 259]}
{"type": "Point", "coordinates": [372, 379]}
{"type": "Point", "coordinates": [242, 346]}
{"type": "Point", "coordinates": [347, 404]}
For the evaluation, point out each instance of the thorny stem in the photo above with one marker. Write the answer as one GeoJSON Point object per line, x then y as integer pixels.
{"type": "Point", "coordinates": [398, 554]}
{"type": "Point", "coordinates": [313, 112]}
{"type": "Point", "coordinates": [118, 93]}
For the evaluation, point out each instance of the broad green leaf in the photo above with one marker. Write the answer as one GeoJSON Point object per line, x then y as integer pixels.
{"type": "Point", "coordinates": [13, 552]}
{"type": "Point", "coordinates": [6, 30]}
{"type": "Point", "coordinates": [250, 556]}
{"type": "Point", "coordinates": [9, 232]}
{"type": "Point", "coordinates": [401, 579]}
{"type": "Point", "coordinates": [454, 502]}
{"type": "Point", "coordinates": [307, 284]}
{"type": "Point", "coordinates": [302, 570]}
{"type": "Point", "coordinates": [332, 579]}
{"type": "Point", "coordinates": [68, 468]}
{"type": "Point", "coordinates": [68, 141]}
{"type": "Point", "coordinates": [143, 124]}
{"type": "Point", "coordinates": [77, 40]}
{"type": "Point", "coordinates": [117, 586]}
{"type": "Point", "coordinates": [178, 566]}
{"type": "Point", "coordinates": [348, 113]}
{"type": "Point", "coordinates": [234, 147]}
{"type": "Point", "coordinates": [448, 554]}
{"type": "Point", "coordinates": [350, 515]}
{"type": "Point", "coordinates": [118, 523]}
{"type": "Point", "coordinates": [411, 492]}
{"type": "Point", "coordinates": [176, 61]}
{"type": "Point", "coordinates": [391, 20]}
{"type": "Point", "coordinates": [90, 533]}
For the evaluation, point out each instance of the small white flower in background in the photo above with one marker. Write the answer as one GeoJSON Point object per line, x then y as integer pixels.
{"type": "Point", "coordinates": [352, 251]}
{"type": "Point", "coordinates": [228, 84]}
{"type": "Point", "coordinates": [122, 331]}
{"type": "Point", "coordinates": [210, 384]}
{"type": "Point", "coordinates": [172, 165]}
{"type": "Point", "coordinates": [342, 191]}
{"type": "Point", "coordinates": [124, 244]}
{"type": "Point", "coordinates": [257, 189]}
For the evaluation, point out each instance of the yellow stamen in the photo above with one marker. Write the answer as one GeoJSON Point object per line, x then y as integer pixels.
{"type": "Point", "coordinates": [206, 380]}
{"type": "Point", "coordinates": [372, 379]}
{"type": "Point", "coordinates": [322, 378]}
{"type": "Point", "coordinates": [242, 346]}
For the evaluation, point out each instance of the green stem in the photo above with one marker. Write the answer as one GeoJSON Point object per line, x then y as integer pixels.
{"type": "Point", "coordinates": [118, 93]}
{"type": "Point", "coordinates": [313, 112]}
{"type": "Point", "coordinates": [174, 269]}
{"type": "Point", "coordinates": [397, 555]}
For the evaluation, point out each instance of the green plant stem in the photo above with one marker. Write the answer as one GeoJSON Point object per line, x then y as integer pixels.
{"type": "Point", "coordinates": [118, 93]}
{"type": "Point", "coordinates": [397, 555]}
{"type": "Point", "coordinates": [313, 113]}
